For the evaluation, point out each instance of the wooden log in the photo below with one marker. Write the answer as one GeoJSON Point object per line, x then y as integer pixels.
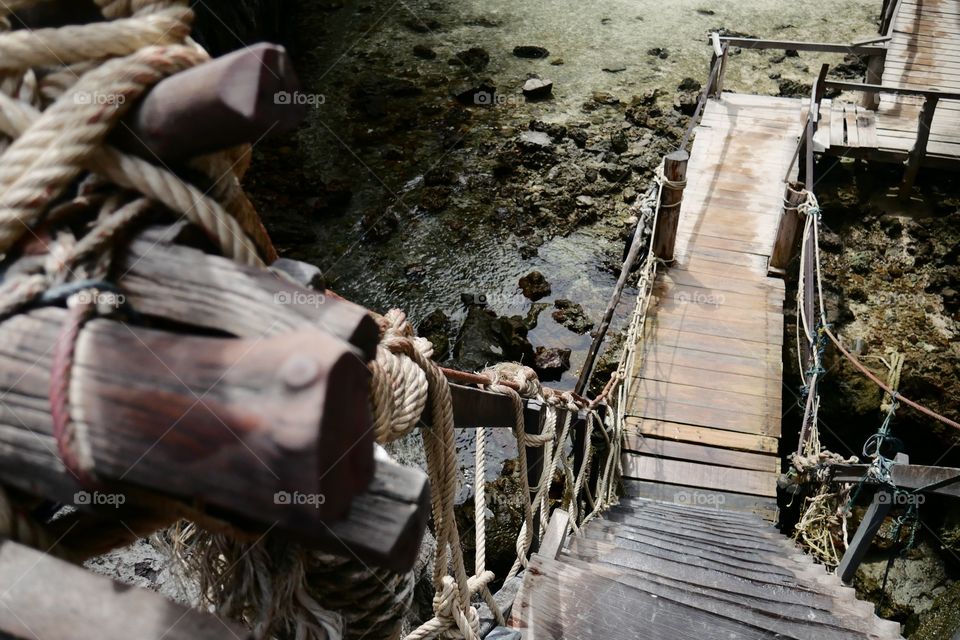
{"type": "Point", "coordinates": [797, 45]}
{"type": "Point", "coordinates": [944, 481]}
{"type": "Point", "coordinates": [235, 99]}
{"type": "Point", "coordinates": [250, 428]}
{"type": "Point", "coordinates": [919, 150]}
{"type": "Point", "coordinates": [52, 599]}
{"type": "Point", "coordinates": [788, 231]}
{"type": "Point", "coordinates": [184, 284]}
{"type": "Point", "coordinates": [533, 424]}
{"type": "Point", "coordinates": [668, 218]}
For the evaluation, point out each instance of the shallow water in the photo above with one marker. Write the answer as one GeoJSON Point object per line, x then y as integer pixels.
{"type": "Point", "coordinates": [452, 252]}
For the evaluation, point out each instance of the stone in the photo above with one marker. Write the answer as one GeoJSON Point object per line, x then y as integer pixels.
{"type": "Point", "coordinates": [535, 140]}
{"type": "Point", "coordinates": [424, 52]}
{"type": "Point", "coordinates": [557, 62]}
{"type": "Point", "coordinates": [658, 52]}
{"type": "Point", "coordinates": [572, 316]}
{"type": "Point", "coordinates": [689, 84]}
{"type": "Point", "coordinates": [792, 53]}
{"type": "Point", "coordinates": [475, 58]}
{"type": "Point", "coordinates": [535, 286]}
{"type": "Point", "coordinates": [537, 89]}
{"type": "Point", "coordinates": [706, 12]}
{"type": "Point", "coordinates": [584, 202]}
{"type": "Point", "coordinates": [550, 363]}
{"type": "Point", "coordinates": [421, 26]}
{"type": "Point", "coordinates": [436, 328]}
{"type": "Point", "coordinates": [532, 52]}
{"type": "Point", "coordinates": [619, 142]}
{"type": "Point", "coordinates": [614, 67]}
{"type": "Point", "coordinates": [602, 97]}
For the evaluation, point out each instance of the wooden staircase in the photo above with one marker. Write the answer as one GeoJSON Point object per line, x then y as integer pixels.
{"type": "Point", "coordinates": [662, 571]}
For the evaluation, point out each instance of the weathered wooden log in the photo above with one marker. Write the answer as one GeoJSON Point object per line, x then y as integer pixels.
{"type": "Point", "coordinates": [788, 231]}
{"type": "Point", "coordinates": [235, 99]}
{"type": "Point", "coordinates": [668, 219]}
{"type": "Point", "coordinates": [189, 286]}
{"type": "Point", "coordinates": [52, 599]}
{"type": "Point", "coordinates": [254, 428]}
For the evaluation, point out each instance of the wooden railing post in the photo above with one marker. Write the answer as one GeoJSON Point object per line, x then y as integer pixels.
{"type": "Point", "coordinates": [919, 150]}
{"type": "Point", "coordinates": [532, 424]}
{"type": "Point", "coordinates": [668, 219]}
{"type": "Point", "coordinates": [874, 75]}
{"type": "Point", "coordinates": [719, 51]}
{"type": "Point", "coordinates": [791, 225]}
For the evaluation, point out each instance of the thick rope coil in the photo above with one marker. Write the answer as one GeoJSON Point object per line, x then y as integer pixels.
{"type": "Point", "coordinates": [29, 48]}
{"type": "Point", "coordinates": [51, 153]}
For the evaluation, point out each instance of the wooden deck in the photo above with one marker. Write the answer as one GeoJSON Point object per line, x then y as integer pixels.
{"type": "Point", "coordinates": [674, 572]}
{"type": "Point", "coordinates": [706, 402]}
{"type": "Point", "coordinates": [923, 54]}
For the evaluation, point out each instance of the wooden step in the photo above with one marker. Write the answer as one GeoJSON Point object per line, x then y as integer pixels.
{"type": "Point", "coordinates": [702, 435]}
{"type": "Point", "coordinates": [758, 483]}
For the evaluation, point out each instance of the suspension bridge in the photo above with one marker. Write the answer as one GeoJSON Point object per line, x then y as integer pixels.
{"type": "Point", "coordinates": [234, 396]}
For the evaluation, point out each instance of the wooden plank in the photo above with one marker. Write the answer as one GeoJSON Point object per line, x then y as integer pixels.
{"type": "Point", "coordinates": [696, 241]}
{"type": "Point", "coordinates": [906, 477]}
{"type": "Point", "coordinates": [48, 598]}
{"type": "Point", "coordinates": [666, 337]}
{"type": "Point", "coordinates": [706, 379]}
{"type": "Point", "coordinates": [694, 324]}
{"type": "Point", "coordinates": [665, 392]}
{"type": "Point", "coordinates": [837, 127]}
{"type": "Point", "coordinates": [653, 409]}
{"type": "Point", "coordinates": [693, 474]}
{"type": "Point", "coordinates": [763, 286]}
{"type": "Point", "coordinates": [556, 534]}
{"type": "Point", "coordinates": [725, 256]}
{"type": "Point", "coordinates": [850, 122]}
{"type": "Point", "coordinates": [703, 435]}
{"type": "Point", "coordinates": [744, 365]}
{"type": "Point", "coordinates": [700, 453]}
{"type": "Point", "coordinates": [700, 265]}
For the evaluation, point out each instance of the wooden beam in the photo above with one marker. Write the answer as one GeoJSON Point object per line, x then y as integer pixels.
{"type": "Point", "coordinates": [906, 476]}
{"type": "Point", "coordinates": [844, 85]}
{"type": "Point", "coordinates": [919, 150]}
{"type": "Point", "coordinates": [819, 47]}
{"type": "Point", "coordinates": [44, 597]}
{"type": "Point", "coordinates": [186, 285]}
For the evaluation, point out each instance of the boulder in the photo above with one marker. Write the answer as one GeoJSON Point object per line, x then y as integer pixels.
{"type": "Point", "coordinates": [550, 363]}
{"type": "Point", "coordinates": [537, 89]}
{"type": "Point", "coordinates": [535, 286]}
{"type": "Point", "coordinates": [530, 51]}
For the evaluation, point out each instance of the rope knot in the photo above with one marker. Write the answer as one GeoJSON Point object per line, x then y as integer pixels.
{"type": "Point", "coordinates": [524, 377]}
{"type": "Point", "coordinates": [446, 607]}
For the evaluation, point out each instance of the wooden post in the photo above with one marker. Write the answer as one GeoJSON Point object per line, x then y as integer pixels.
{"type": "Point", "coordinates": [533, 424]}
{"type": "Point", "coordinates": [788, 232]}
{"type": "Point", "coordinates": [556, 535]}
{"type": "Point", "coordinates": [919, 151]}
{"type": "Point", "coordinates": [719, 51]}
{"type": "Point", "coordinates": [879, 508]}
{"type": "Point", "coordinates": [874, 75]}
{"type": "Point", "coordinates": [668, 219]}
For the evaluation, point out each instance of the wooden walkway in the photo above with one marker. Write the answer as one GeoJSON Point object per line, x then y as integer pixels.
{"type": "Point", "coordinates": [706, 402]}
{"type": "Point", "coordinates": [673, 572]}
{"type": "Point", "coordinates": [923, 54]}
